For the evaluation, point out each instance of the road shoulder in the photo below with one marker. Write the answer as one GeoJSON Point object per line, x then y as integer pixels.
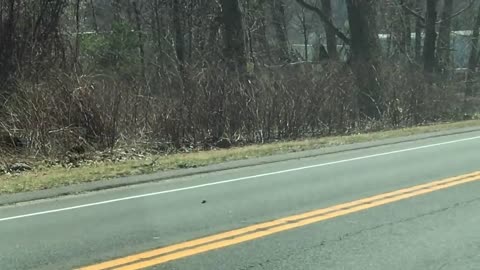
{"type": "Point", "coordinates": [159, 176]}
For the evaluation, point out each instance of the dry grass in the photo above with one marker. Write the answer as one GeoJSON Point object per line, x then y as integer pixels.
{"type": "Point", "coordinates": [44, 178]}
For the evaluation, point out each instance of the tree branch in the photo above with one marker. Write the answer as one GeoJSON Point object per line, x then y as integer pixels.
{"type": "Point", "coordinates": [422, 19]}
{"type": "Point", "coordinates": [458, 12]}
{"type": "Point", "coordinates": [325, 20]}
{"type": "Point", "coordinates": [414, 13]}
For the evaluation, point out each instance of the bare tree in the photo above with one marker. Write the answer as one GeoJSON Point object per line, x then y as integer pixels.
{"type": "Point", "coordinates": [29, 35]}
{"type": "Point", "coordinates": [365, 54]}
{"type": "Point", "coordinates": [76, 53]}
{"type": "Point", "coordinates": [179, 34]}
{"type": "Point", "coordinates": [329, 32]}
{"type": "Point", "coordinates": [279, 24]}
{"type": "Point", "coordinates": [474, 53]}
{"type": "Point", "coordinates": [94, 16]}
{"type": "Point", "coordinates": [429, 45]}
{"type": "Point", "coordinates": [365, 50]}
{"type": "Point", "coordinates": [419, 22]}
{"type": "Point", "coordinates": [407, 30]}
{"type": "Point", "coordinates": [305, 28]}
{"type": "Point", "coordinates": [8, 32]}
{"type": "Point", "coordinates": [193, 56]}
{"type": "Point", "coordinates": [326, 20]}
{"type": "Point", "coordinates": [233, 34]}
{"type": "Point", "coordinates": [261, 34]}
{"type": "Point", "coordinates": [400, 27]}
{"type": "Point", "coordinates": [443, 46]}
{"type": "Point", "coordinates": [117, 10]}
{"type": "Point", "coordinates": [138, 24]}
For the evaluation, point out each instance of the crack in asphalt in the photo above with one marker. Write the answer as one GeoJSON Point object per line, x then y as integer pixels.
{"type": "Point", "coordinates": [343, 237]}
{"type": "Point", "coordinates": [405, 220]}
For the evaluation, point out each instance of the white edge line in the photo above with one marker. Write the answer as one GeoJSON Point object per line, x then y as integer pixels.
{"type": "Point", "coordinates": [234, 180]}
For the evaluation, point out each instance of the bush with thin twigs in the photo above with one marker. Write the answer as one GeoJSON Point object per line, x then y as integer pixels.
{"type": "Point", "coordinates": [197, 107]}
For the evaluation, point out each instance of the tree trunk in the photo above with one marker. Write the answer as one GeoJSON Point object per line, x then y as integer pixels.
{"type": "Point", "coordinates": [418, 32]}
{"type": "Point", "coordinates": [407, 30]}
{"type": "Point", "coordinates": [94, 16]}
{"type": "Point", "coordinates": [213, 33]}
{"type": "Point", "coordinates": [429, 59]}
{"type": "Point", "coordinates": [141, 50]}
{"type": "Point", "coordinates": [261, 34]}
{"type": "Point", "coordinates": [156, 26]}
{"type": "Point", "coordinates": [329, 32]}
{"type": "Point", "coordinates": [400, 26]}
{"type": "Point", "coordinates": [302, 18]}
{"type": "Point", "coordinates": [325, 20]}
{"type": "Point", "coordinates": [278, 17]}
{"type": "Point", "coordinates": [443, 44]}
{"type": "Point", "coordinates": [177, 28]}
{"type": "Point", "coordinates": [474, 53]}
{"type": "Point", "coordinates": [234, 50]}
{"type": "Point", "coordinates": [365, 52]}
{"type": "Point", "coordinates": [76, 53]}
{"type": "Point", "coordinates": [8, 66]}
{"type": "Point", "coordinates": [117, 10]}
{"type": "Point", "coordinates": [396, 40]}
{"type": "Point", "coordinates": [305, 34]}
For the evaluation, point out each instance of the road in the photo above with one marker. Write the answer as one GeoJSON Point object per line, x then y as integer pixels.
{"type": "Point", "coordinates": [434, 226]}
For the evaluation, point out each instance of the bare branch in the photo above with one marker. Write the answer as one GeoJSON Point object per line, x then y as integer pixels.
{"type": "Point", "coordinates": [325, 20]}
{"type": "Point", "coordinates": [414, 13]}
{"type": "Point", "coordinates": [422, 19]}
{"type": "Point", "coordinates": [458, 12]}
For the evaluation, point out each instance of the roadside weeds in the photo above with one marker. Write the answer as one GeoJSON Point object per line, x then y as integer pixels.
{"type": "Point", "coordinates": [42, 177]}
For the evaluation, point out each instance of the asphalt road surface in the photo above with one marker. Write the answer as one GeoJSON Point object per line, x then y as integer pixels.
{"type": "Point", "coordinates": [377, 208]}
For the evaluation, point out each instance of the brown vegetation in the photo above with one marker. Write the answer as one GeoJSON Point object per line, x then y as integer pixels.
{"type": "Point", "coordinates": [197, 74]}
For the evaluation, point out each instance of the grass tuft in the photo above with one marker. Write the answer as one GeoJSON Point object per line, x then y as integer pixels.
{"type": "Point", "coordinates": [50, 177]}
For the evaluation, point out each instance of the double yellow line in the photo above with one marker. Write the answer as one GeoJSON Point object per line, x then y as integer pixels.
{"type": "Point", "coordinates": [201, 245]}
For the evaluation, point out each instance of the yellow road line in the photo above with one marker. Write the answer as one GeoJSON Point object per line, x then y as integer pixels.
{"type": "Point", "coordinates": [201, 245]}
